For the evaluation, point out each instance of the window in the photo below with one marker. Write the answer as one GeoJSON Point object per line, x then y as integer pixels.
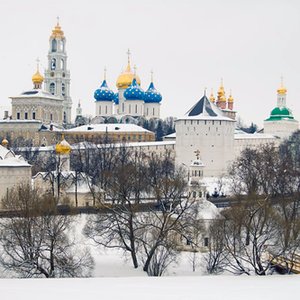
{"type": "Point", "coordinates": [26, 116]}
{"type": "Point", "coordinates": [54, 45]}
{"type": "Point", "coordinates": [136, 110]}
{"type": "Point", "coordinates": [53, 64]}
{"type": "Point", "coordinates": [63, 89]}
{"type": "Point", "coordinates": [106, 109]}
{"type": "Point", "coordinates": [147, 111]}
{"type": "Point", "coordinates": [18, 115]}
{"type": "Point", "coordinates": [153, 111]}
{"type": "Point", "coordinates": [51, 117]}
{"type": "Point", "coordinates": [130, 108]}
{"type": "Point", "coordinates": [206, 242]}
{"type": "Point", "coordinates": [52, 88]}
{"type": "Point", "coordinates": [33, 115]}
{"type": "Point", "coordinates": [62, 64]}
{"type": "Point", "coordinates": [100, 110]}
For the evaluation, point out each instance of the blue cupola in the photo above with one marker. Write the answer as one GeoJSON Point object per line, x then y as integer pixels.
{"type": "Point", "coordinates": [134, 91]}
{"type": "Point", "coordinates": [152, 95]}
{"type": "Point", "coordinates": [104, 93]}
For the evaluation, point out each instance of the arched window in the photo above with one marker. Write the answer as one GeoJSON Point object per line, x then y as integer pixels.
{"type": "Point", "coordinates": [136, 109]}
{"type": "Point", "coordinates": [65, 117]}
{"type": "Point", "coordinates": [63, 89]}
{"type": "Point", "coordinates": [62, 64]}
{"type": "Point", "coordinates": [52, 88]}
{"type": "Point", "coordinates": [130, 108]}
{"type": "Point", "coordinates": [99, 110]}
{"type": "Point", "coordinates": [53, 64]}
{"type": "Point", "coordinates": [54, 45]}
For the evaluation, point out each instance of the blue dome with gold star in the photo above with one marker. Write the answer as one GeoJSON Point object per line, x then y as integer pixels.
{"type": "Point", "coordinates": [104, 93]}
{"type": "Point", "coordinates": [134, 91]}
{"type": "Point", "coordinates": [152, 95]}
{"type": "Point", "coordinates": [116, 98]}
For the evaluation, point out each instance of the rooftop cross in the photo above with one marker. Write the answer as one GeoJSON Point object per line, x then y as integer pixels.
{"type": "Point", "coordinates": [197, 152]}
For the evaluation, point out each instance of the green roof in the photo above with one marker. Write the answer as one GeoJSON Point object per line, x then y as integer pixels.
{"type": "Point", "coordinates": [280, 113]}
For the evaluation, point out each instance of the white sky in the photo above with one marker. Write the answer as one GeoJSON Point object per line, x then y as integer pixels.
{"type": "Point", "coordinates": [189, 44]}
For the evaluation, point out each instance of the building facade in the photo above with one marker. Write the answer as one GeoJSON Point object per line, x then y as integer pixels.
{"type": "Point", "coordinates": [129, 100]}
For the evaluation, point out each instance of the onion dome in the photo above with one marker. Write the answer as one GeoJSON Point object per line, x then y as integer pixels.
{"type": "Point", "coordinates": [134, 91]}
{"type": "Point", "coordinates": [63, 147]}
{"type": "Point", "coordinates": [4, 142]}
{"type": "Point", "coordinates": [152, 95]}
{"type": "Point", "coordinates": [57, 32]}
{"type": "Point", "coordinates": [126, 77]}
{"type": "Point", "coordinates": [37, 78]}
{"type": "Point", "coordinates": [104, 93]}
{"type": "Point", "coordinates": [230, 99]}
{"type": "Point", "coordinates": [221, 93]}
{"type": "Point", "coordinates": [116, 98]}
{"type": "Point", "coordinates": [211, 97]}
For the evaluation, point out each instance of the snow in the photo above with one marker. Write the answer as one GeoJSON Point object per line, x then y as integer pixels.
{"type": "Point", "coordinates": [109, 128]}
{"type": "Point", "coordinates": [175, 288]}
{"type": "Point", "coordinates": [115, 278]}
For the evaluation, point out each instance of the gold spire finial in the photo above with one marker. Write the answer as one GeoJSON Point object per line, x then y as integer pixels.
{"type": "Point", "coordinates": [212, 98]}
{"type": "Point", "coordinates": [104, 73]}
{"type": "Point", "coordinates": [282, 90]}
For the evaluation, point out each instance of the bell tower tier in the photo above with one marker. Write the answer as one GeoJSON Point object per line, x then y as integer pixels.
{"type": "Point", "coordinates": [57, 76]}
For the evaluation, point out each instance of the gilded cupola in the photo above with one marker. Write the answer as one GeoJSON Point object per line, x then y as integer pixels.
{"type": "Point", "coordinates": [57, 32]}
{"type": "Point", "coordinates": [63, 147]}
{"type": "Point", "coordinates": [126, 77]}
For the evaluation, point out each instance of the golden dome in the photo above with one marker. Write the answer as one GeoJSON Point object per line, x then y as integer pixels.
{"type": "Point", "coordinates": [221, 93]}
{"type": "Point", "coordinates": [230, 98]}
{"type": "Point", "coordinates": [4, 142]}
{"type": "Point", "coordinates": [125, 78]}
{"type": "Point", "coordinates": [37, 77]}
{"type": "Point", "coordinates": [63, 147]}
{"type": "Point", "coordinates": [57, 32]}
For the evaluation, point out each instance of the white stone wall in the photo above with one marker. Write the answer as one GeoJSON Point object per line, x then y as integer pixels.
{"type": "Point", "coordinates": [11, 177]}
{"type": "Point", "coordinates": [152, 110]}
{"type": "Point", "coordinates": [104, 108]}
{"type": "Point", "coordinates": [244, 141]}
{"type": "Point", "coordinates": [134, 107]}
{"type": "Point", "coordinates": [213, 138]}
{"type": "Point", "coordinates": [281, 128]}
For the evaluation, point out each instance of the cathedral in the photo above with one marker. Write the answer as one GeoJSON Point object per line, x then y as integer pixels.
{"type": "Point", "coordinates": [130, 102]}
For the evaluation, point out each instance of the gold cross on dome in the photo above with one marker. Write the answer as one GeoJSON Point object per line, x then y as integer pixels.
{"type": "Point", "coordinates": [197, 152]}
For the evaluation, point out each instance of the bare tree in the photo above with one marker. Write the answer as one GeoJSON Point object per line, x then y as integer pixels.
{"type": "Point", "coordinates": [35, 243]}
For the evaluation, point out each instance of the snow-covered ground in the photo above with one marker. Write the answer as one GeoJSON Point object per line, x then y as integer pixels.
{"type": "Point", "coordinates": [115, 278]}
{"type": "Point", "coordinates": [164, 288]}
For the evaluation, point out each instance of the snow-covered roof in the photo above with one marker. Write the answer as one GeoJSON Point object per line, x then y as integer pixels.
{"type": "Point", "coordinates": [36, 93]}
{"type": "Point", "coordinates": [109, 128]}
{"type": "Point", "coordinates": [9, 159]}
{"type": "Point", "coordinates": [205, 110]}
{"type": "Point", "coordinates": [244, 136]}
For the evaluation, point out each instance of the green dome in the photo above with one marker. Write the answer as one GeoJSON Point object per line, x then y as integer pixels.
{"type": "Point", "coordinates": [280, 113]}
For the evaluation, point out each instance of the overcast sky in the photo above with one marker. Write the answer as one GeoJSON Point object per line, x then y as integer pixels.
{"type": "Point", "coordinates": [190, 45]}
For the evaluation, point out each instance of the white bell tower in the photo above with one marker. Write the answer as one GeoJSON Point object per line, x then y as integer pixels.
{"type": "Point", "coordinates": [57, 76]}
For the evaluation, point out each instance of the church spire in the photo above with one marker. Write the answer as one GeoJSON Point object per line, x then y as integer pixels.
{"type": "Point", "coordinates": [57, 76]}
